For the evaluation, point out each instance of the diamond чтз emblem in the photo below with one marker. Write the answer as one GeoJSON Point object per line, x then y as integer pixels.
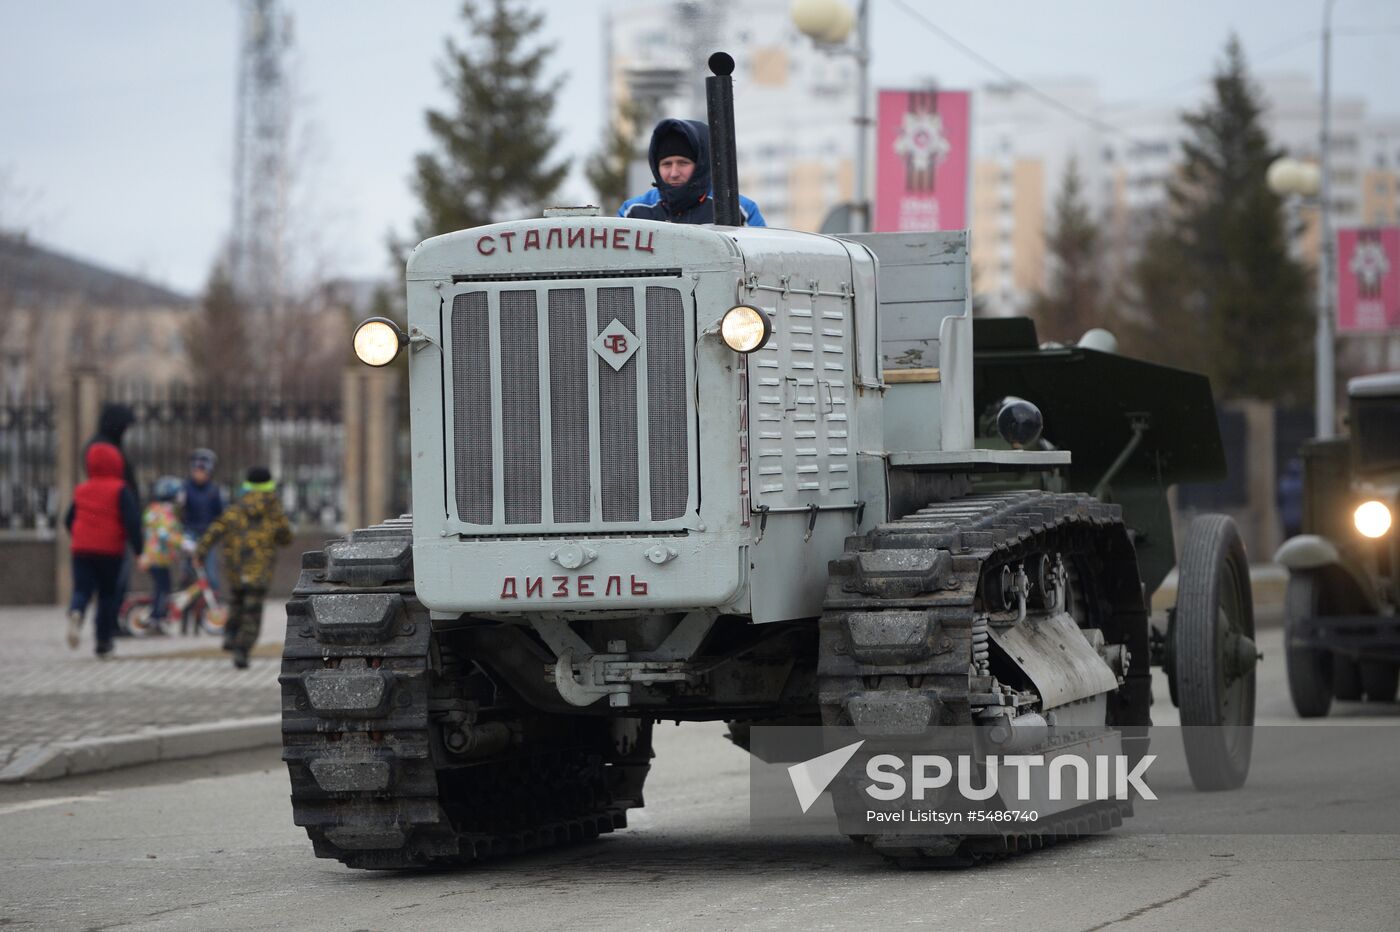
{"type": "Point", "coordinates": [616, 344]}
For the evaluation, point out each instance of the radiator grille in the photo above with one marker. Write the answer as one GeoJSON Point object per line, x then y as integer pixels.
{"type": "Point", "coordinates": [471, 406]}
{"type": "Point", "coordinates": [520, 407]}
{"type": "Point", "coordinates": [666, 451]}
{"type": "Point", "coordinates": [578, 458]}
{"type": "Point", "coordinates": [568, 405]}
{"type": "Point", "coordinates": [617, 414]}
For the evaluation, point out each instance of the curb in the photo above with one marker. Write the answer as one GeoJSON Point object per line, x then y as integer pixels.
{"type": "Point", "coordinates": [92, 755]}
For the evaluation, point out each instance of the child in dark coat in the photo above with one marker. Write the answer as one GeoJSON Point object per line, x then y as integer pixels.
{"type": "Point", "coordinates": [201, 503]}
{"type": "Point", "coordinates": [104, 520]}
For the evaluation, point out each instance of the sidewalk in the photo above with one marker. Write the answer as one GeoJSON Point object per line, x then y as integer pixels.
{"type": "Point", "coordinates": [65, 712]}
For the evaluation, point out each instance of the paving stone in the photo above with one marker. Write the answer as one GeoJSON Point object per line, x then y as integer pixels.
{"type": "Point", "coordinates": [105, 711]}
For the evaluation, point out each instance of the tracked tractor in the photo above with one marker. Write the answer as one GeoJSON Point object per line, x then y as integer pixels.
{"type": "Point", "coordinates": [694, 473]}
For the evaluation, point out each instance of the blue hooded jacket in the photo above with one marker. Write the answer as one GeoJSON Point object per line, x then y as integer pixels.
{"type": "Point", "coordinates": [692, 202]}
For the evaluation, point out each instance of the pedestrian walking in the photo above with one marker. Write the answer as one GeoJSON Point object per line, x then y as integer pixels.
{"type": "Point", "coordinates": [112, 424]}
{"type": "Point", "coordinates": [104, 522]}
{"type": "Point", "coordinates": [251, 530]}
{"type": "Point", "coordinates": [202, 503]}
{"type": "Point", "coordinates": [163, 547]}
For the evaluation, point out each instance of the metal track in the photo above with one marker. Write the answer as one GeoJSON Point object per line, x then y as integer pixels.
{"type": "Point", "coordinates": [365, 689]}
{"type": "Point", "coordinates": [897, 640]}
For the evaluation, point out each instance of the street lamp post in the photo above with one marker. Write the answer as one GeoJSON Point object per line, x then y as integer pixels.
{"type": "Point", "coordinates": [829, 23]}
{"type": "Point", "coordinates": [1297, 182]}
{"type": "Point", "coordinates": [1326, 400]}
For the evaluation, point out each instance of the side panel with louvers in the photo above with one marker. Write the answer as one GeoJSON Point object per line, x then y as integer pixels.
{"type": "Point", "coordinates": [547, 435]}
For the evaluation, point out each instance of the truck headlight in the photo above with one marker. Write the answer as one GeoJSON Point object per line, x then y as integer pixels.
{"type": "Point", "coordinates": [745, 329]}
{"type": "Point", "coordinates": [1372, 519]}
{"type": "Point", "coordinates": [378, 341]}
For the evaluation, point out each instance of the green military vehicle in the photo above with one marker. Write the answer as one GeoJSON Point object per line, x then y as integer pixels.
{"type": "Point", "coordinates": [1343, 636]}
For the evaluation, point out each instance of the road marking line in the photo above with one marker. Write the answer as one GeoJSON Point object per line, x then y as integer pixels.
{"type": "Point", "coordinates": [56, 801]}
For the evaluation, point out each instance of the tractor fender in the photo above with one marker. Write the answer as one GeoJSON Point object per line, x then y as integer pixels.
{"type": "Point", "coordinates": [1307, 552]}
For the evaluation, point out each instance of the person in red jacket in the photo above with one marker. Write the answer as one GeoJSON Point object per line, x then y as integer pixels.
{"type": "Point", "coordinates": [104, 520]}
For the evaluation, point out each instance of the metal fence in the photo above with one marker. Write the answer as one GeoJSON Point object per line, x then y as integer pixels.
{"type": "Point", "coordinates": [28, 461]}
{"type": "Point", "coordinates": [297, 434]}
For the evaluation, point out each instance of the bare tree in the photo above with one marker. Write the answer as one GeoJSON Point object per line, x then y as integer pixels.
{"type": "Point", "coordinates": [17, 332]}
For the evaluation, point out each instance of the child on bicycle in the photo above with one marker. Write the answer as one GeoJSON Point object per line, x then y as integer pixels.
{"type": "Point", "coordinates": [165, 539]}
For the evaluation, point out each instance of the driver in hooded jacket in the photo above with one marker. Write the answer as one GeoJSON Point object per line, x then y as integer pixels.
{"type": "Point", "coordinates": [680, 162]}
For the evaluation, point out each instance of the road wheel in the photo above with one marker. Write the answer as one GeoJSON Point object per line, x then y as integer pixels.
{"type": "Point", "coordinates": [1215, 654]}
{"type": "Point", "coordinates": [1346, 679]}
{"type": "Point", "coordinates": [1379, 679]}
{"type": "Point", "coordinates": [1309, 669]}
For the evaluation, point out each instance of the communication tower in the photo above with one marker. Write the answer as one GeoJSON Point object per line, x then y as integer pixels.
{"type": "Point", "coordinates": [261, 162]}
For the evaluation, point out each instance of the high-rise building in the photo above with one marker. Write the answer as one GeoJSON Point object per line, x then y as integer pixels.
{"type": "Point", "coordinates": [1126, 155]}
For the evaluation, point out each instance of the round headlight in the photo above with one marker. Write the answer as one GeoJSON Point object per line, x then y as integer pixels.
{"type": "Point", "coordinates": [377, 341]}
{"type": "Point", "coordinates": [1372, 519]}
{"type": "Point", "coordinates": [745, 329]}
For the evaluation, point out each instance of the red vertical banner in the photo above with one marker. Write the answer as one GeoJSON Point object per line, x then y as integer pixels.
{"type": "Point", "coordinates": [921, 160]}
{"type": "Point", "coordinates": [1368, 278]}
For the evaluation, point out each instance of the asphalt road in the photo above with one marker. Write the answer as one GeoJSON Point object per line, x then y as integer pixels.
{"type": "Point", "coordinates": [210, 845]}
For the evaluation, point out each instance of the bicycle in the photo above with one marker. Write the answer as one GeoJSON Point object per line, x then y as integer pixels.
{"type": "Point", "coordinates": [194, 608]}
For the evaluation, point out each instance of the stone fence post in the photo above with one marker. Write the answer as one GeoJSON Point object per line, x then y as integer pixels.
{"type": "Point", "coordinates": [370, 410]}
{"type": "Point", "coordinates": [77, 404]}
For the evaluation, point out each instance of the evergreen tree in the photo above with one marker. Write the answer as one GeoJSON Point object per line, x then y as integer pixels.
{"type": "Point", "coordinates": [217, 335]}
{"type": "Point", "coordinates": [1074, 301]}
{"type": "Point", "coordinates": [1216, 286]}
{"type": "Point", "coordinates": [607, 168]}
{"type": "Point", "coordinates": [490, 160]}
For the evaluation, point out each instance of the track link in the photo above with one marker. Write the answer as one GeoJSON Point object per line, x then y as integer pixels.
{"type": "Point", "coordinates": [897, 639]}
{"type": "Point", "coordinates": [365, 689]}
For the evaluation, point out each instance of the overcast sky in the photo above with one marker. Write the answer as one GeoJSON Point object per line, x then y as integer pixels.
{"type": "Point", "coordinates": [116, 118]}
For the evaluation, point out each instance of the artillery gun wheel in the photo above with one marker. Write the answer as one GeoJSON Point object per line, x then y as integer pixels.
{"type": "Point", "coordinates": [1214, 654]}
{"type": "Point", "coordinates": [1309, 669]}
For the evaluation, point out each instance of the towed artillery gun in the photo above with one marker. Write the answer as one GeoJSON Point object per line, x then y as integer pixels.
{"type": "Point", "coordinates": [719, 473]}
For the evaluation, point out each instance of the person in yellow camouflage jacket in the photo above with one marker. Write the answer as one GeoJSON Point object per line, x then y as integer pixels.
{"type": "Point", "coordinates": [251, 530]}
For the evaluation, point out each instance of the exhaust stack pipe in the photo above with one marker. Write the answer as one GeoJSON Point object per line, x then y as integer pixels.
{"type": "Point", "coordinates": [724, 166]}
